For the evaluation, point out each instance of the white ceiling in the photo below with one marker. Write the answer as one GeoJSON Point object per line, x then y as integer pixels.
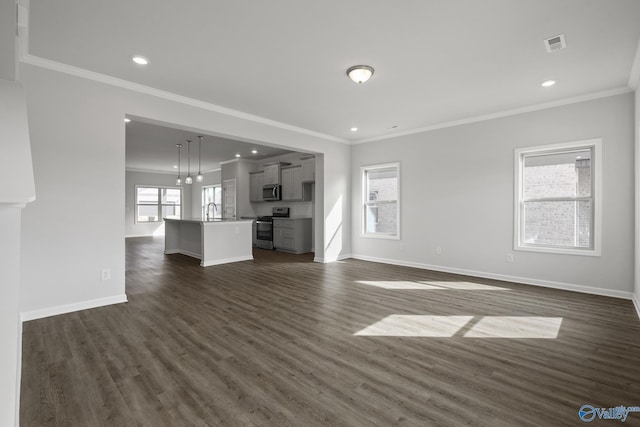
{"type": "Point", "coordinates": [151, 147]}
{"type": "Point", "coordinates": [435, 61]}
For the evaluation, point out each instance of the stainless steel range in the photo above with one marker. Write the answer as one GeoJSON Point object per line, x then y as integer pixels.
{"type": "Point", "coordinates": [264, 227]}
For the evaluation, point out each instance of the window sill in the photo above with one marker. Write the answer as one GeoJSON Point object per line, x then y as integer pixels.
{"type": "Point", "coordinates": [381, 236]}
{"type": "Point", "coordinates": [559, 251]}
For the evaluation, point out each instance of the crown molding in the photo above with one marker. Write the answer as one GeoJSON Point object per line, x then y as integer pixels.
{"type": "Point", "coordinates": [150, 171]}
{"type": "Point", "coordinates": [634, 75]}
{"type": "Point", "coordinates": [506, 113]}
{"type": "Point", "coordinates": [226, 162]}
{"type": "Point", "coordinates": [136, 87]}
{"type": "Point", "coordinates": [166, 172]}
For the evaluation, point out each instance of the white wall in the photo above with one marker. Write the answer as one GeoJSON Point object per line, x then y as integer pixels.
{"type": "Point", "coordinates": [10, 325]}
{"type": "Point", "coordinates": [132, 179]}
{"type": "Point", "coordinates": [75, 227]}
{"type": "Point", "coordinates": [637, 189]}
{"type": "Point", "coordinates": [78, 143]}
{"type": "Point", "coordinates": [17, 175]}
{"type": "Point", "coordinates": [457, 193]}
{"type": "Point", "coordinates": [15, 161]}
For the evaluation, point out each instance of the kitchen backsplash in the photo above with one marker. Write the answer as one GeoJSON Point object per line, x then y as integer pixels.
{"type": "Point", "coordinates": [296, 209]}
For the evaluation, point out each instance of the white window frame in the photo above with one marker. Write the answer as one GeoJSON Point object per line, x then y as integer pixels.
{"type": "Point", "coordinates": [364, 201]}
{"type": "Point", "coordinates": [204, 187]}
{"type": "Point", "coordinates": [595, 145]}
{"type": "Point", "coordinates": [160, 219]}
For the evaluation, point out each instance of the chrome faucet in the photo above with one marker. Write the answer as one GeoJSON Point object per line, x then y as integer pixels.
{"type": "Point", "coordinates": [215, 208]}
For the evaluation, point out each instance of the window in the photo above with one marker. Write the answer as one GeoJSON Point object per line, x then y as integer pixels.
{"type": "Point", "coordinates": [558, 198]}
{"type": "Point", "coordinates": [155, 203]}
{"type": "Point", "coordinates": [212, 194]}
{"type": "Point", "coordinates": [381, 201]}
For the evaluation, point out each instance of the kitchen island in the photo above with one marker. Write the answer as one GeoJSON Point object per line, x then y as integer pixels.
{"type": "Point", "coordinates": [213, 242]}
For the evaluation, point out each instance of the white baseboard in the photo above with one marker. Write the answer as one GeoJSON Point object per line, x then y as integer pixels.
{"type": "Point", "coordinates": [183, 252]}
{"type": "Point", "coordinates": [524, 280]}
{"type": "Point", "coordinates": [332, 259]}
{"type": "Point", "coordinates": [636, 304]}
{"type": "Point", "coordinates": [226, 260]}
{"type": "Point", "coordinates": [25, 316]}
{"type": "Point", "coordinates": [127, 236]}
{"type": "Point", "coordinates": [208, 263]}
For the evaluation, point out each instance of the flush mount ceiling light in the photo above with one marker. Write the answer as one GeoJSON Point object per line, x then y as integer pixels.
{"type": "Point", "coordinates": [548, 83]}
{"type": "Point", "coordinates": [238, 155]}
{"type": "Point", "coordinates": [360, 73]}
{"type": "Point", "coordinates": [254, 151]}
{"type": "Point", "coordinates": [354, 129]}
{"type": "Point", "coordinates": [140, 60]}
{"type": "Point", "coordinates": [127, 120]}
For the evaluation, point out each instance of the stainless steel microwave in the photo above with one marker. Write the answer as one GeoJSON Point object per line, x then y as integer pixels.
{"type": "Point", "coordinates": [271, 192]}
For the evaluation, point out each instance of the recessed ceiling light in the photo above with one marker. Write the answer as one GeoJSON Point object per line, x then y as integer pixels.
{"type": "Point", "coordinates": [126, 120]}
{"type": "Point", "coordinates": [354, 129]}
{"type": "Point", "coordinates": [548, 83]}
{"type": "Point", "coordinates": [140, 60]}
{"type": "Point", "coordinates": [254, 151]}
{"type": "Point", "coordinates": [175, 166]}
{"type": "Point", "coordinates": [237, 155]}
{"type": "Point", "coordinates": [578, 157]}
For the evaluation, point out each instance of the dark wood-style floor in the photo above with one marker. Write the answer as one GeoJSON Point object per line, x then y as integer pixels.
{"type": "Point", "coordinates": [272, 342]}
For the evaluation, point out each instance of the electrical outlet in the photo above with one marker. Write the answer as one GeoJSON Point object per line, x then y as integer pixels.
{"type": "Point", "coordinates": [509, 257]}
{"type": "Point", "coordinates": [438, 250]}
{"type": "Point", "coordinates": [106, 274]}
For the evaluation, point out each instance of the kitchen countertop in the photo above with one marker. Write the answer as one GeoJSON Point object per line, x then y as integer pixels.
{"type": "Point", "coordinates": [296, 217]}
{"type": "Point", "coordinates": [211, 221]}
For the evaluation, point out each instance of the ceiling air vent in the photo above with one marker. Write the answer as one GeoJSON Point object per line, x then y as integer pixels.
{"type": "Point", "coordinates": [555, 43]}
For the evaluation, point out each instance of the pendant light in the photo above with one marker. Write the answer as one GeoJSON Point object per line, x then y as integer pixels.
{"type": "Point", "coordinates": [188, 179]}
{"type": "Point", "coordinates": [179, 180]}
{"type": "Point", "coordinates": [199, 177]}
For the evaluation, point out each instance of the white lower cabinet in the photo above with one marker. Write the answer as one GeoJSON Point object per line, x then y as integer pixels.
{"type": "Point", "coordinates": [292, 235]}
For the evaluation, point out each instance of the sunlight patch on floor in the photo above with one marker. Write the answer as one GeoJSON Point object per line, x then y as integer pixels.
{"type": "Point", "coordinates": [399, 325]}
{"type": "Point", "coordinates": [516, 327]}
{"type": "Point", "coordinates": [430, 285]}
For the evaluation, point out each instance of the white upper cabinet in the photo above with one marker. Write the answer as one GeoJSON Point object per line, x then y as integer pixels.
{"type": "Point", "coordinates": [256, 182]}
{"type": "Point", "coordinates": [272, 174]}
{"type": "Point", "coordinates": [309, 170]}
{"type": "Point", "coordinates": [292, 186]}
